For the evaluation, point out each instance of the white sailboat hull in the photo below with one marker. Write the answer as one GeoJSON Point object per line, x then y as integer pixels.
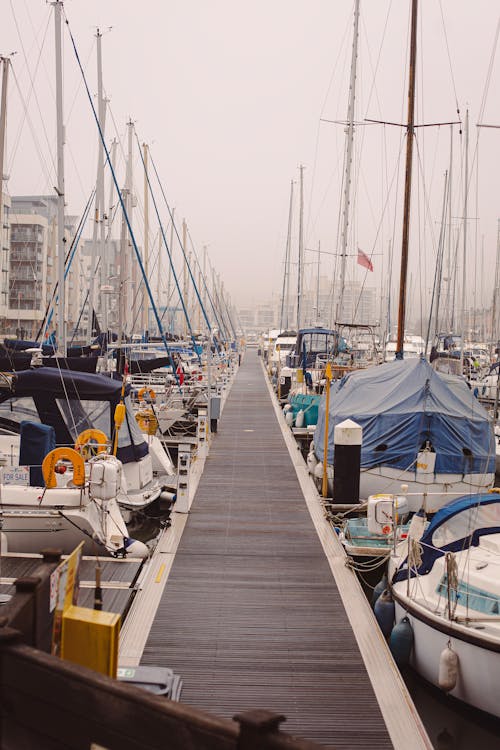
{"type": "Point", "coordinates": [439, 489]}
{"type": "Point", "coordinates": [478, 682]}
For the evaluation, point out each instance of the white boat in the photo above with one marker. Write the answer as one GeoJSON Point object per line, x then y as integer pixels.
{"type": "Point", "coordinates": [447, 583]}
{"type": "Point", "coordinates": [34, 517]}
{"type": "Point", "coordinates": [45, 410]}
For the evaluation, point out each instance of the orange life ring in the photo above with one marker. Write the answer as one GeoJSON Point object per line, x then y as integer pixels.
{"type": "Point", "coordinates": [58, 454]}
{"type": "Point", "coordinates": [91, 439]}
{"type": "Point", "coordinates": [145, 390]}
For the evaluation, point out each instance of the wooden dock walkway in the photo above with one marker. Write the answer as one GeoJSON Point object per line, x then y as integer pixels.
{"type": "Point", "coordinates": [251, 616]}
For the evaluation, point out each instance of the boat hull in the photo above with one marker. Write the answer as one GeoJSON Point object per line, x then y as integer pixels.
{"type": "Point", "coordinates": [478, 682]}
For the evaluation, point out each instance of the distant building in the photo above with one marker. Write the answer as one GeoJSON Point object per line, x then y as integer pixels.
{"type": "Point", "coordinates": [27, 276]}
{"type": "Point", "coordinates": [32, 265]}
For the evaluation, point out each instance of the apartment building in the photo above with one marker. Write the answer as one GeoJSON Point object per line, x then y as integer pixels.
{"type": "Point", "coordinates": [32, 266]}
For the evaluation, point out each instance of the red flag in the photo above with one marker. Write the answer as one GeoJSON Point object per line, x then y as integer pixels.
{"type": "Point", "coordinates": [364, 260]}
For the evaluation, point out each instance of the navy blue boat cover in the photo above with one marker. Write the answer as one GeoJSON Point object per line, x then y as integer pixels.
{"type": "Point", "coordinates": [403, 404]}
{"type": "Point", "coordinates": [36, 441]}
{"type": "Point", "coordinates": [63, 399]}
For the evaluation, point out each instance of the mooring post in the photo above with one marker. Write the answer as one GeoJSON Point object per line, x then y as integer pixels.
{"type": "Point", "coordinates": [348, 437]}
{"type": "Point", "coordinates": [255, 726]}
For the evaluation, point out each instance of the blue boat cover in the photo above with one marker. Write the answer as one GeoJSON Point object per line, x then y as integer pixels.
{"type": "Point", "coordinates": [71, 401]}
{"type": "Point", "coordinates": [401, 406]}
{"type": "Point", "coordinates": [459, 524]}
{"type": "Point", "coordinates": [36, 441]}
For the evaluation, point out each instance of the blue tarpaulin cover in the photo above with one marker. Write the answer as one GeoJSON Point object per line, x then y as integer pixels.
{"type": "Point", "coordinates": [403, 404]}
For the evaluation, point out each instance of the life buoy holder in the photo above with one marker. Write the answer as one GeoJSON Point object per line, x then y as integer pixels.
{"type": "Point", "coordinates": [60, 454]}
{"type": "Point", "coordinates": [99, 442]}
{"type": "Point", "coordinates": [149, 391]}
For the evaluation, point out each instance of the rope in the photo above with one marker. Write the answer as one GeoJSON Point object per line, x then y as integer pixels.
{"type": "Point", "coordinates": [414, 554]}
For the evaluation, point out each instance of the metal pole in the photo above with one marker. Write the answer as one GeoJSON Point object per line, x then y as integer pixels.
{"type": "Point", "coordinates": [169, 280]}
{"type": "Point", "coordinates": [3, 120]}
{"type": "Point", "coordinates": [348, 162]}
{"type": "Point", "coordinates": [185, 274]}
{"type": "Point", "coordinates": [407, 201]}
{"type": "Point", "coordinates": [464, 269]}
{"type": "Point", "coordinates": [145, 302]}
{"type": "Point", "coordinates": [61, 239]}
{"type": "Point", "coordinates": [301, 248]}
{"type": "Point", "coordinates": [494, 327]}
{"type": "Point", "coordinates": [131, 286]}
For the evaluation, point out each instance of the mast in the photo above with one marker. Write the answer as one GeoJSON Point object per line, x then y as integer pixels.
{"type": "Point", "coordinates": [99, 199]}
{"type": "Point", "coordinates": [449, 273]}
{"type": "Point", "coordinates": [145, 301]}
{"type": "Point", "coordinates": [301, 248]}
{"type": "Point", "coordinates": [317, 282]}
{"type": "Point", "coordinates": [466, 209]}
{"type": "Point", "coordinates": [61, 239]}
{"type": "Point", "coordinates": [158, 279]}
{"type": "Point", "coordinates": [129, 288]}
{"type": "Point", "coordinates": [169, 278]}
{"type": "Point", "coordinates": [185, 276]}
{"type": "Point", "coordinates": [409, 161]}
{"type": "Point", "coordinates": [496, 289]}
{"type": "Point", "coordinates": [348, 161]}
{"type": "Point", "coordinates": [3, 121]}
{"type": "Point", "coordinates": [107, 232]}
{"type": "Point", "coordinates": [286, 275]}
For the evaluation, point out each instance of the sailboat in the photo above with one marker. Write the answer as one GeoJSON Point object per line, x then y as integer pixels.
{"type": "Point", "coordinates": [421, 428]}
{"type": "Point", "coordinates": [446, 590]}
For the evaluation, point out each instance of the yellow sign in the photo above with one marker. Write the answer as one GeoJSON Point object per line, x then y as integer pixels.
{"type": "Point", "coordinates": [64, 586]}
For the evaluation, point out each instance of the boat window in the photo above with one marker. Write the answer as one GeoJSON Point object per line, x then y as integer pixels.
{"type": "Point", "coordinates": [133, 431]}
{"type": "Point", "coordinates": [15, 410]}
{"type": "Point", "coordinates": [82, 415]}
{"type": "Point", "coordinates": [463, 524]}
{"type": "Point", "coordinates": [471, 597]}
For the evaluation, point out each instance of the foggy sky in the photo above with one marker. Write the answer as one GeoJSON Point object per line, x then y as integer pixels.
{"type": "Point", "coordinates": [230, 95]}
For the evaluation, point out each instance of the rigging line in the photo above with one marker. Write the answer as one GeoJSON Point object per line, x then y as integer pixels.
{"type": "Point", "coordinates": [120, 197]}
{"type": "Point", "coordinates": [27, 118]}
{"type": "Point", "coordinates": [166, 244]}
{"type": "Point", "coordinates": [49, 311]}
{"type": "Point", "coordinates": [207, 290]}
{"type": "Point", "coordinates": [82, 309]}
{"type": "Point", "coordinates": [373, 87]}
{"type": "Point", "coordinates": [183, 249]}
{"type": "Point", "coordinates": [489, 72]}
{"type": "Point", "coordinates": [395, 177]}
{"type": "Point", "coordinates": [32, 79]}
{"type": "Point", "coordinates": [449, 58]}
{"type": "Point", "coordinates": [315, 163]}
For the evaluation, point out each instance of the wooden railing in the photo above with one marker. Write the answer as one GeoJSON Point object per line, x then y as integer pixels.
{"type": "Point", "coordinates": [50, 704]}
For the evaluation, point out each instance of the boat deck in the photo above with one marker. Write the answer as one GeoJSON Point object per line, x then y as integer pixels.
{"type": "Point", "coordinates": [251, 615]}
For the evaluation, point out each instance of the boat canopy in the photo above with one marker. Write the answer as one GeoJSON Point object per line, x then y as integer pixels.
{"type": "Point", "coordinates": [70, 402]}
{"type": "Point", "coordinates": [405, 406]}
{"type": "Point", "coordinates": [312, 343]}
{"type": "Point", "coordinates": [458, 525]}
